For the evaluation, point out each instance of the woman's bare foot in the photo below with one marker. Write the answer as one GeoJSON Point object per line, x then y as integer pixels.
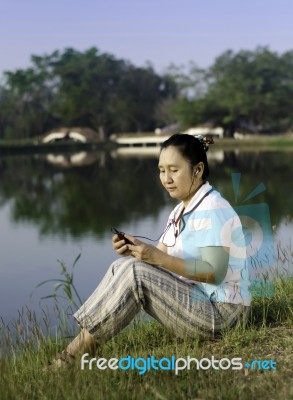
{"type": "Point", "coordinates": [62, 359]}
{"type": "Point", "coordinates": [84, 342]}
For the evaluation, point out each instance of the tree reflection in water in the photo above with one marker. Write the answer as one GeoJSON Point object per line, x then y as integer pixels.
{"type": "Point", "coordinates": [78, 194]}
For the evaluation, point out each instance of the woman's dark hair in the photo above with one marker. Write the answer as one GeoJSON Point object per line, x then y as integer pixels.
{"type": "Point", "coordinates": [191, 148]}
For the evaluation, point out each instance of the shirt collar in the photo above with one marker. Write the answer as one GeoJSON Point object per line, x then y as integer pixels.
{"type": "Point", "coordinates": [197, 196]}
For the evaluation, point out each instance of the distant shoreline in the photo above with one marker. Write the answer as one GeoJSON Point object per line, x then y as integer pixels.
{"type": "Point", "coordinates": [33, 147]}
{"type": "Point", "coordinates": [257, 142]}
{"type": "Point", "coordinates": [251, 143]}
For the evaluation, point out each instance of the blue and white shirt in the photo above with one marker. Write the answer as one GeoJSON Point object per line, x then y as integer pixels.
{"type": "Point", "coordinates": [209, 220]}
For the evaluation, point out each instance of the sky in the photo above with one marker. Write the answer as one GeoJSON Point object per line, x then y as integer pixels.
{"type": "Point", "coordinates": [159, 32]}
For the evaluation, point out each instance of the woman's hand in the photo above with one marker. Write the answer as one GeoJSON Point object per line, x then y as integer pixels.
{"type": "Point", "coordinates": [142, 251]}
{"type": "Point", "coordinates": [120, 246]}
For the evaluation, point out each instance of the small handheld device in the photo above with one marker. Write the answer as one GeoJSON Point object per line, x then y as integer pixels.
{"type": "Point", "coordinates": [121, 235]}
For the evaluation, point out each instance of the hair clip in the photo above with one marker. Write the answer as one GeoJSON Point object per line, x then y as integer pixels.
{"type": "Point", "coordinates": [205, 140]}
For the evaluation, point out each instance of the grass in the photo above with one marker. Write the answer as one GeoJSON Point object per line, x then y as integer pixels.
{"type": "Point", "coordinates": [267, 335]}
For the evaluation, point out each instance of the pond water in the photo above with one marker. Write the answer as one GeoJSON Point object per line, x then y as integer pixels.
{"type": "Point", "coordinates": [55, 207]}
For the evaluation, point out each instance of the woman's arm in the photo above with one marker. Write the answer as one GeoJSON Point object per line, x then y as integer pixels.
{"type": "Point", "coordinates": [211, 269]}
{"type": "Point", "coordinates": [215, 257]}
{"type": "Point", "coordinates": [162, 247]}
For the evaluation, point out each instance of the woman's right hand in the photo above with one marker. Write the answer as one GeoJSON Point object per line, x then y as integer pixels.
{"type": "Point", "coordinates": [120, 246]}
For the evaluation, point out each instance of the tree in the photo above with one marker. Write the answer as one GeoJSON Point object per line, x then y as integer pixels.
{"type": "Point", "coordinates": [4, 111]}
{"type": "Point", "coordinates": [141, 92]}
{"type": "Point", "coordinates": [90, 89]}
{"type": "Point", "coordinates": [251, 87]}
{"type": "Point", "coordinates": [32, 93]}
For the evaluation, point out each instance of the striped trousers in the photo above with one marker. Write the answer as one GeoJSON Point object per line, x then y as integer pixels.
{"type": "Point", "coordinates": [130, 285]}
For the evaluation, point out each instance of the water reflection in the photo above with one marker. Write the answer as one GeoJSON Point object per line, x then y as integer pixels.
{"type": "Point", "coordinates": [79, 159]}
{"type": "Point", "coordinates": [88, 192]}
{"type": "Point", "coordinates": [83, 199]}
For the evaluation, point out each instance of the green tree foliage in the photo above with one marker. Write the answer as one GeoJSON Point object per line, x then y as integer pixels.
{"type": "Point", "coordinates": [248, 88]}
{"type": "Point", "coordinates": [31, 94]}
{"type": "Point", "coordinates": [82, 89]}
{"type": "Point", "coordinates": [252, 90]}
{"type": "Point", "coordinates": [5, 110]}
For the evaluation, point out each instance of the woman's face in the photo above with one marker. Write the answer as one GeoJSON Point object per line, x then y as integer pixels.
{"type": "Point", "coordinates": [177, 176]}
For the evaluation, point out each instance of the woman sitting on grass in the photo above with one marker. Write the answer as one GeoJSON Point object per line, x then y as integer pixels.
{"type": "Point", "coordinates": [194, 281]}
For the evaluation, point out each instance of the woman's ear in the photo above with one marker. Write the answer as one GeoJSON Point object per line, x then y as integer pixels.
{"type": "Point", "coordinates": [195, 172]}
{"type": "Point", "coordinates": [198, 169]}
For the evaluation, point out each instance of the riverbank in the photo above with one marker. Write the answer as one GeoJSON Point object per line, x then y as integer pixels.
{"type": "Point", "coordinates": [257, 142]}
{"type": "Point", "coordinates": [250, 142]}
{"type": "Point", "coordinates": [35, 147]}
{"type": "Point", "coordinates": [253, 142]}
{"type": "Point", "coordinates": [266, 340]}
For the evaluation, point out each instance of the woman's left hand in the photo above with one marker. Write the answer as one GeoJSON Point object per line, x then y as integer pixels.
{"type": "Point", "coordinates": [142, 251]}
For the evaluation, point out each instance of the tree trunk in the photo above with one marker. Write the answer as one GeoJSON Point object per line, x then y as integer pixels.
{"type": "Point", "coordinates": [229, 130]}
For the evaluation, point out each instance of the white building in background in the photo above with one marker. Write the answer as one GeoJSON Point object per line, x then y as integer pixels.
{"type": "Point", "coordinates": [81, 135]}
{"type": "Point", "coordinates": [206, 130]}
